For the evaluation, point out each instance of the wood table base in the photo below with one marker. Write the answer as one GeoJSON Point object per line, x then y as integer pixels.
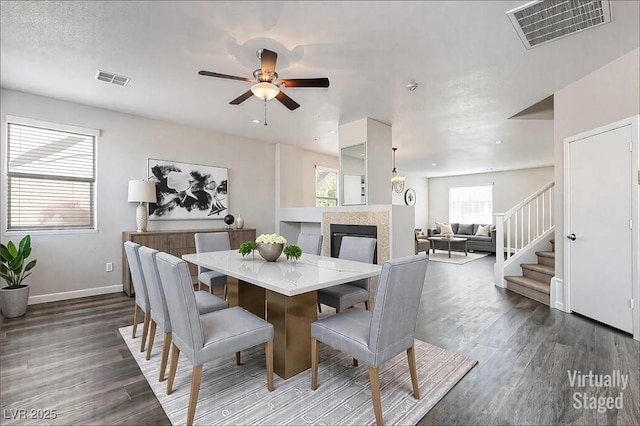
{"type": "Point", "coordinates": [291, 317]}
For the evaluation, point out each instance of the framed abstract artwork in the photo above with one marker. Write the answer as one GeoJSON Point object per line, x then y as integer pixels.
{"type": "Point", "coordinates": [188, 191]}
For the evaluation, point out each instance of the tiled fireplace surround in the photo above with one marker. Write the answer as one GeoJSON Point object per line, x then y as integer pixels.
{"type": "Point", "coordinates": [380, 219]}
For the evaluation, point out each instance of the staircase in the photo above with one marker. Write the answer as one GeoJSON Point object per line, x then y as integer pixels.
{"type": "Point", "coordinates": [523, 235]}
{"type": "Point", "coordinates": [535, 282]}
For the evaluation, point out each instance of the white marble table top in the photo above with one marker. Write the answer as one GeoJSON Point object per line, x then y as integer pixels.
{"type": "Point", "coordinates": [309, 273]}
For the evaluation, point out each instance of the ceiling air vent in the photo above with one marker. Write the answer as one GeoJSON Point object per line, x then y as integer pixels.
{"type": "Point", "coordinates": [542, 21]}
{"type": "Point", "coordinates": [110, 77]}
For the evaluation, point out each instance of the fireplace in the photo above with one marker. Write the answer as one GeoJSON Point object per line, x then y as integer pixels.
{"type": "Point", "coordinates": [338, 231]}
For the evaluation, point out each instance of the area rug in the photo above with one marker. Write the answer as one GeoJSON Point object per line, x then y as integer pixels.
{"type": "Point", "coordinates": [232, 395]}
{"type": "Point", "coordinates": [457, 257]}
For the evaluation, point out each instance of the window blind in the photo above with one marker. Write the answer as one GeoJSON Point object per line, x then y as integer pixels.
{"type": "Point", "coordinates": [50, 178]}
{"type": "Point", "coordinates": [471, 204]}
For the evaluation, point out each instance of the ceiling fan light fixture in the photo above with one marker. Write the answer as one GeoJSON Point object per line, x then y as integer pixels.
{"type": "Point", "coordinates": [265, 90]}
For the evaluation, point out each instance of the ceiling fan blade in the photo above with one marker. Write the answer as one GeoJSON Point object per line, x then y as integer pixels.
{"type": "Point", "coordinates": [246, 95]}
{"type": "Point", "coordinates": [230, 77]}
{"type": "Point", "coordinates": [305, 82]}
{"type": "Point", "coordinates": [268, 62]}
{"type": "Point", "coordinates": [287, 101]}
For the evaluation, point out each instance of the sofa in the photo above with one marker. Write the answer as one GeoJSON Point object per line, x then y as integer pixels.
{"type": "Point", "coordinates": [468, 231]}
{"type": "Point", "coordinates": [421, 241]}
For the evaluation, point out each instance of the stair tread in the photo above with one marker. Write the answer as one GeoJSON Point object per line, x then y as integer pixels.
{"type": "Point", "coordinates": [549, 270]}
{"type": "Point", "coordinates": [550, 254]}
{"type": "Point", "coordinates": [540, 286]}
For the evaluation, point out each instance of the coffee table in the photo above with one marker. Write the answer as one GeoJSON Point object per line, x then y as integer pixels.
{"type": "Point", "coordinates": [449, 241]}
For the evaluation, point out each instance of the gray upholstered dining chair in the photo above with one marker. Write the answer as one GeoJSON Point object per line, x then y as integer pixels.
{"type": "Point", "coordinates": [374, 337]}
{"type": "Point", "coordinates": [310, 243]}
{"type": "Point", "coordinates": [205, 303]}
{"type": "Point", "coordinates": [343, 296]}
{"type": "Point", "coordinates": [207, 337]}
{"type": "Point", "coordinates": [140, 287]}
{"type": "Point", "coordinates": [211, 241]}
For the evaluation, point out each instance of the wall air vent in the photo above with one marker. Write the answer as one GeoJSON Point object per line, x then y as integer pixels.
{"type": "Point", "coordinates": [110, 77]}
{"type": "Point", "coordinates": [541, 21]}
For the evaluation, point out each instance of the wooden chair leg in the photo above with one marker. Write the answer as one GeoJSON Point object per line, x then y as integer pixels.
{"type": "Point", "coordinates": [175, 354]}
{"type": "Point", "coordinates": [196, 378]}
{"type": "Point", "coordinates": [319, 308]}
{"type": "Point", "coordinates": [152, 337]}
{"type": "Point", "coordinates": [269, 354]}
{"type": "Point", "coordinates": [238, 358]}
{"type": "Point", "coordinates": [355, 362]}
{"type": "Point", "coordinates": [366, 304]}
{"type": "Point", "coordinates": [211, 289]}
{"type": "Point", "coordinates": [145, 330]}
{"type": "Point", "coordinates": [411, 357]}
{"type": "Point", "coordinates": [166, 344]}
{"type": "Point", "coordinates": [315, 357]}
{"type": "Point", "coordinates": [226, 292]}
{"type": "Point", "coordinates": [135, 321]}
{"type": "Point", "coordinates": [199, 286]}
{"type": "Point", "coordinates": [374, 378]}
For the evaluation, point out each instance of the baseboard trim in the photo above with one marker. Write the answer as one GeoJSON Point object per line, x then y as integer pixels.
{"type": "Point", "coordinates": [65, 295]}
{"type": "Point", "coordinates": [558, 294]}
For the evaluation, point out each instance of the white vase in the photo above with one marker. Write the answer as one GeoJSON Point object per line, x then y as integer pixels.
{"type": "Point", "coordinates": [239, 222]}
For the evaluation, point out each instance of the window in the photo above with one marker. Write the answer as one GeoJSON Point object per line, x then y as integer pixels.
{"type": "Point", "coordinates": [51, 176]}
{"type": "Point", "coordinates": [471, 204]}
{"type": "Point", "coordinates": [326, 187]}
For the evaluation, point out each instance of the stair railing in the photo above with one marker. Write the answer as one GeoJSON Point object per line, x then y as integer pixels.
{"type": "Point", "coordinates": [519, 227]}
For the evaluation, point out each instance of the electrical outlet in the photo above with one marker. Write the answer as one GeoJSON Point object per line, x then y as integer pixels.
{"type": "Point", "coordinates": [109, 267]}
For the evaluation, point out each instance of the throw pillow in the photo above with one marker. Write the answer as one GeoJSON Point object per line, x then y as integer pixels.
{"type": "Point", "coordinates": [438, 228]}
{"type": "Point", "coordinates": [446, 228]}
{"type": "Point", "coordinates": [483, 231]}
{"type": "Point", "coordinates": [465, 229]}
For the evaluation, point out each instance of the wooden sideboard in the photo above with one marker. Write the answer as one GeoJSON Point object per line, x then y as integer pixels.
{"type": "Point", "coordinates": [176, 243]}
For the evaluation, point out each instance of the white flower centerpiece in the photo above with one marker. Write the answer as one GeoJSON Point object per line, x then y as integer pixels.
{"type": "Point", "coordinates": [270, 246]}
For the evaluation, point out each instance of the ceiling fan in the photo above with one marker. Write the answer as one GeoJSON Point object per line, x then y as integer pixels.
{"type": "Point", "coordinates": [267, 85]}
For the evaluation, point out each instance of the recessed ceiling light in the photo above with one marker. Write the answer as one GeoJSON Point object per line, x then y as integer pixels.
{"type": "Point", "coordinates": [255, 121]}
{"type": "Point", "coordinates": [333, 132]}
{"type": "Point", "coordinates": [498, 142]}
{"type": "Point", "coordinates": [434, 164]}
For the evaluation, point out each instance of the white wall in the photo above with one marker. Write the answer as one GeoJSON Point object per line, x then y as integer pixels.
{"type": "Point", "coordinates": [607, 95]}
{"type": "Point", "coordinates": [509, 188]}
{"type": "Point", "coordinates": [420, 184]}
{"type": "Point", "coordinates": [297, 175]}
{"type": "Point", "coordinates": [76, 262]}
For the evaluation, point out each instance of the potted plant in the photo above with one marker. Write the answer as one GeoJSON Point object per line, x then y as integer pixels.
{"type": "Point", "coordinates": [14, 297]}
{"type": "Point", "coordinates": [270, 246]}
{"type": "Point", "coordinates": [247, 247]}
{"type": "Point", "coordinates": [293, 251]}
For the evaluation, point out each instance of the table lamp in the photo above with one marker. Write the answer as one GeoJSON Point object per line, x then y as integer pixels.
{"type": "Point", "coordinates": [141, 191]}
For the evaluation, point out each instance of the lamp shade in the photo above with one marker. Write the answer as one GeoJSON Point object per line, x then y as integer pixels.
{"type": "Point", "coordinates": [265, 90]}
{"type": "Point", "coordinates": [141, 191]}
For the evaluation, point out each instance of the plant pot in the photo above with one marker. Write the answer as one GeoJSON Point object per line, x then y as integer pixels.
{"type": "Point", "coordinates": [13, 301]}
{"type": "Point", "coordinates": [270, 252]}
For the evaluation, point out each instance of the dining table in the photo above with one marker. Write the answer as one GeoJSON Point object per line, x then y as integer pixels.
{"type": "Point", "coordinates": [284, 293]}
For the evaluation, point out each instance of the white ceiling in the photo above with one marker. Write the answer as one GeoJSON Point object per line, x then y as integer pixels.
{"type": "Point", "coordinates": [472, 69]}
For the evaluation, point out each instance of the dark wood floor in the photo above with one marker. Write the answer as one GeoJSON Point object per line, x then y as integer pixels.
{"type": "Point", "coordinates": [69, 357]}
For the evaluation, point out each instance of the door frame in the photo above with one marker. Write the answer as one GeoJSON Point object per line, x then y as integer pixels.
{"type": "Point", "coordinates": [634, 122]}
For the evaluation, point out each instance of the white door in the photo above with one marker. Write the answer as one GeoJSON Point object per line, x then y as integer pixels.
{"type": "Point", "coordinates": [600, 209]}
